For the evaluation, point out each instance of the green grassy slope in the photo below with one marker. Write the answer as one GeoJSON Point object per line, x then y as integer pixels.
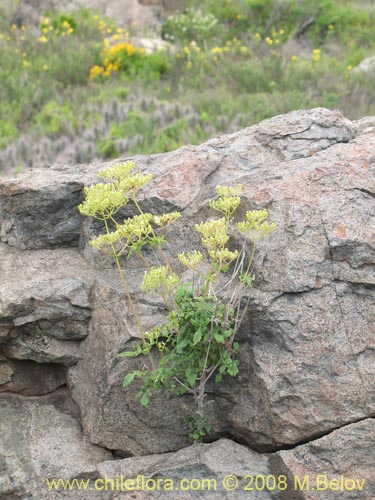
{"type": "Point", "coordinates": [75, 87]}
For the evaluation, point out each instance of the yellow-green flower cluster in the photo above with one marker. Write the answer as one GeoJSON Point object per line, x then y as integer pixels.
{"type": "Point", "coordinates": [228, 201]}
{"type": "Point", "coordinates": [214, 233]}
{"type": "Point", "coordinates": [159, 280]}
{"type": "Point", "coordinates": [153, 338]}
{"type": "Point", "coordinates": [106, 242]}
{"type": "Point", "coordinates": [255, 225]}
{"type": "Point", "coordinates": [223, 256]}
{"type": "Point", "coordinates": [102, 200]}
{"type": "Point", "coordinates": [126, 181]}
{"type": "Point", "coordinates": [134, 182]}
{"type": "Point", "coordinates": [136, 228]}
{"type": "Point", "coordinates": [229, 190]}
{"type": "Point", "coordinates": [166, 219]}
{"type": "Point", "coordinates": [190, 259]}
{"type": "Point", "coordinates": [117, 172]}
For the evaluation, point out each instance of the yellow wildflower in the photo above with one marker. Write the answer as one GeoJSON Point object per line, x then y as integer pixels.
{"type": "Point", "coordinates": [268, 40]}
{"type": "Point", "coordinates": [42, 39]}
{"type": "Point", "coordinates": [316, 55]}
{"type": "Point", "coordinates": [217, 50]}
{"type": "Point", "coordinates": [95, 71]}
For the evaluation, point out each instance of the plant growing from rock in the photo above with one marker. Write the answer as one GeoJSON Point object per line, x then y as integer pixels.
{"type": "Point", "coordinates": [197, 342]}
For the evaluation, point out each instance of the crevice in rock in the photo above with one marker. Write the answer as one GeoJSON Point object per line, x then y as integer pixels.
{"type": "Point", "coordinates": [316, 436]}
{"type": "Point", "coordinates": [362, 190]}
{"type": "Point", "coordinates": [266, 450]}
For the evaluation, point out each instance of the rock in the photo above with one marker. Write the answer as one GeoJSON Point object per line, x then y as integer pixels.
{"type": "Point", "coordinates": [24, 205]}
{"type": "Point", "coordinates": [39, 441]}
{"type": "Point", "coordinates": [207, 464]}
{"type": "Point", "coordinates": [341, 464]}
{"type": "Point", "coordinates": [307, 344]}
{"type": "Point", "coordinates": [46, 306]}
{"type": "Point", "coordinates": [30, 378]}
{"type": "Point", "coordinates": [366, 66]}
{"type": "Point", "coordinates": [151, 45]}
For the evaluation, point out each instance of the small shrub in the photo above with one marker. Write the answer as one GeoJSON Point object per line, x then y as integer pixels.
{"type": "Point", "coordinates": [197, 342]}
{"type": "Point", "coordinates": [191, 25]}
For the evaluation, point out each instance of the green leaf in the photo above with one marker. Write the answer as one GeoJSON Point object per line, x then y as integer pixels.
{"type": "Point", "coordinates": [181, 346]}
{"type": "Point", "coordinates": [233, 369]}
{"type": "Point", "coordinates": [219, 338]}
{"type": "Point", "coordinates": [130, 377]}
{"type": "Point", "coordinates": [190, 376]}
{"type": "Point", "coordinates": [145, 399]}
{"type": "Point", "coordinates": [131, 354]}
{"type": "Point", "coordinates": [197, 336]}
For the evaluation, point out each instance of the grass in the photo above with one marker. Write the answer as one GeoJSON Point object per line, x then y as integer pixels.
{"type": "Point", "coordinates": [75, 88]}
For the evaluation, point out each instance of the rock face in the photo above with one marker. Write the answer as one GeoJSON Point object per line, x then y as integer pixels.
{"type": "Point", "coordinates": [307, 359]}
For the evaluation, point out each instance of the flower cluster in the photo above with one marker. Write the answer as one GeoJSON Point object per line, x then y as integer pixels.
{"type": "Point", "coordinates": [102, 200]}
{"type": "Point", "coordinates": [255, 226]}
{"type": "Point", "coordinates": [190, 259]}
{"type": "Point", "coordinates": [159, 280]}
{"type": "Point", "coordinates": [229, 200]}
{"type": "Point", "coordinates": [118, 57]}
{"type": "Point", "coordinates": [214, 233]}
{"type": "Point", "coordinates": [316, 55]}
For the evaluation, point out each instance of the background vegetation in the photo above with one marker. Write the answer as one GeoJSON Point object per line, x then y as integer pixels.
{"type": "Point", "coordinates": [76, 87]}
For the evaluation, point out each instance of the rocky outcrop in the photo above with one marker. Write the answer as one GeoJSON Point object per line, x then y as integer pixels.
{"type": "Point", "coordinates": [366, 66]}
{"type": "Point", "coordinates": [304, 396]}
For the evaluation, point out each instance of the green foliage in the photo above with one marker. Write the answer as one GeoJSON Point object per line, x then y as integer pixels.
{"type": "Point", "coordinates": [196, 343]}
{"type": "Point", "coordinates": [190, 25]}
{"type": "Point", "coordinates": [8, 131]}
{"type": "Point", "coordinates": [55, 118]}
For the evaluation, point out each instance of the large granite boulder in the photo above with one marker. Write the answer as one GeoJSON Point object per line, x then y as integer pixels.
{"type": "Point", "coordinates": [307, 345]}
